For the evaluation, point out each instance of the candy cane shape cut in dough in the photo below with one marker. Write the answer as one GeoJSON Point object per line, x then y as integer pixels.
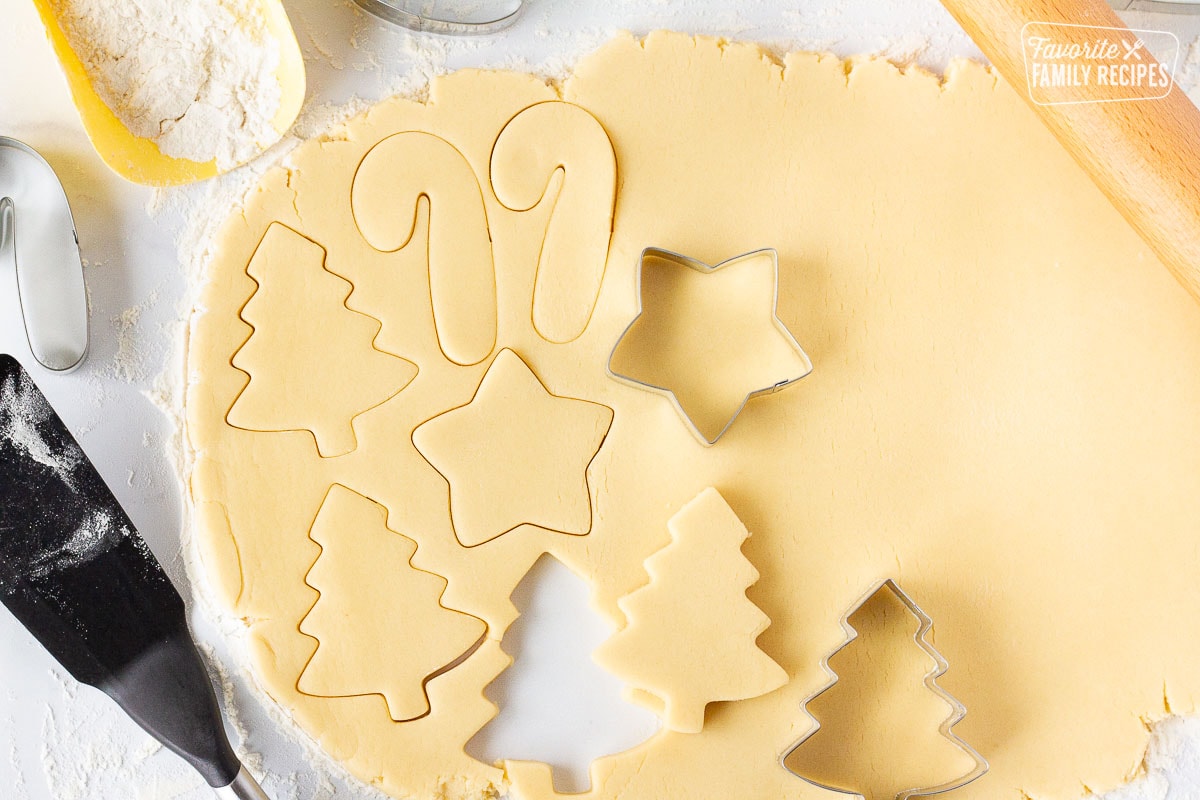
{"type": "Point", "coordinates": [385, 197]}
{"type": "Point", "coordinates": [561, 139]}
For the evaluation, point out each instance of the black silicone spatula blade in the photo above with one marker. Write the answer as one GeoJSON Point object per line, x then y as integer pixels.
{"type": "Point", "coordinates": [75, 572]}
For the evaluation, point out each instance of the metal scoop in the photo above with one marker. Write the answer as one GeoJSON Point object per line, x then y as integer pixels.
{"type": "Point", "coordinates": [39, 245]}
{"type": "Point", "coordinates": [140, 160]}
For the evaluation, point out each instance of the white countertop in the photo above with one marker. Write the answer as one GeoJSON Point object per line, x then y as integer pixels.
{"type": "Point", "coordinates": [61, 741]}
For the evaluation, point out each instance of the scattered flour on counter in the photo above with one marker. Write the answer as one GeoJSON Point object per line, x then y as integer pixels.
{"type": "Point", "coordinates": [91, 751]}
{"type": "Point", "coordinates": [20, 792]}
{"type": "Point", "coordinates": [129, 361]}
{"type": "Point", "coordinates": [197, 78]}
{"type": "Point", "coordinates": [126, 364]}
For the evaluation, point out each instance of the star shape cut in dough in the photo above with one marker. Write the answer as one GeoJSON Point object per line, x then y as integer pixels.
{"type": "Point", "coordinates": [708, 337]}
{"type": "Point", "coordinates": [515, 455]}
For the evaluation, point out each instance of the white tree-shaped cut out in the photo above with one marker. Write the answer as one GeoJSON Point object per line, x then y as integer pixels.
{"type": "Point", "coordinates": [557, 706]}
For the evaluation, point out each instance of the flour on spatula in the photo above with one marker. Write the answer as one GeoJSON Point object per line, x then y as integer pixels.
{"type": "Point", "coordinates": [197, 78]}
{"type": "Point", "coordinates": [51, 519]}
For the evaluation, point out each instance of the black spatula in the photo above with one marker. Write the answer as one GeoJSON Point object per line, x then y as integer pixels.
{"type": "Point", "coordinates": [76, 573]}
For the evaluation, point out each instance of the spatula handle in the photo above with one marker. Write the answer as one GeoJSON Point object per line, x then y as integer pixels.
{"type": "Point", "coordinates": [244, 787]}
{"type": "Point", "coordinates": [1143, 154]}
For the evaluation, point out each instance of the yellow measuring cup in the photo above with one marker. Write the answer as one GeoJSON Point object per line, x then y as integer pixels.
{"type": "Point", "coordinates": [140, 160]}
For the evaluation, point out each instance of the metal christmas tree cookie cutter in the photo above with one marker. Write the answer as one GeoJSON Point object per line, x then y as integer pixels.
{"type": "Point", "coordinates": [707, 269]}
{"type": "Point", "coordinates": [957, 712]}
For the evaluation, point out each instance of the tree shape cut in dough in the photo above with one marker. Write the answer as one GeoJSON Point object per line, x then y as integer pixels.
{"type": "Point", "coordinates": [367, 582]}
{"type": "Point", "coordinates": [556, 152]}
{"type": "Point", "coordinates": [708, 337]}
{"type": "Point", "coordinates": [560, 711]}
{"type": "Point", "coordinates": [691, 641]}
{"type": "Point", "coordinates": [609, 775]}
{"type": "Point", "coordinates": [385, 196]}
{"type": "Point", "coordinates": [312, 362]}
{"type": "Point", "coordinates": [515, 455]}
{"type": "Point", "coordinates": [883, 724]}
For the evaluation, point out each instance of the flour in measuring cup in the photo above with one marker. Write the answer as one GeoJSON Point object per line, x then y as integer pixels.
{"type": "Point", "coordinates": [198, 78]}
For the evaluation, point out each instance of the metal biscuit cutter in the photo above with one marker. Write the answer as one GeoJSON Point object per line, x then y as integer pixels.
{"type": "Point", "coordinates": [401, 12]}
{"type": "Point", "coordinates": [700, 266]}
{"type": "Point", "coordinates": [958, 710]}
{"type": "Point", "coordinates": [39, 244]}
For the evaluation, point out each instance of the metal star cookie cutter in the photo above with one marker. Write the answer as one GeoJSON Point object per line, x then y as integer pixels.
{"type": "Point", "coordinates": [400, 12]}
{"type": "Point", "coordinates": [958, 710]}
{"type": "Point", "coordinates": [702, 267]}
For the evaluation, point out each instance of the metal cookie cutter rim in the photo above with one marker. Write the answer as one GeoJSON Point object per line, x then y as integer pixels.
{"type": "Point", "coordinates": [394, 12]}
{"type": "Point", "coordinates": [958, 710]}
{"type": "Point", "coordinates": [707, 269]}
{"type": "Point", "coordinates": [49, 279]}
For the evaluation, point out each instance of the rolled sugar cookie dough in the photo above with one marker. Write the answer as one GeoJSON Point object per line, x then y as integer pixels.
{"type": "Point", "coordinates": [1002, 413]}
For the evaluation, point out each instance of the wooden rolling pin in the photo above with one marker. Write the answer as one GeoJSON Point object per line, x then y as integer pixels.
{"type": "Point", "coordinates": [1143, 154]}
